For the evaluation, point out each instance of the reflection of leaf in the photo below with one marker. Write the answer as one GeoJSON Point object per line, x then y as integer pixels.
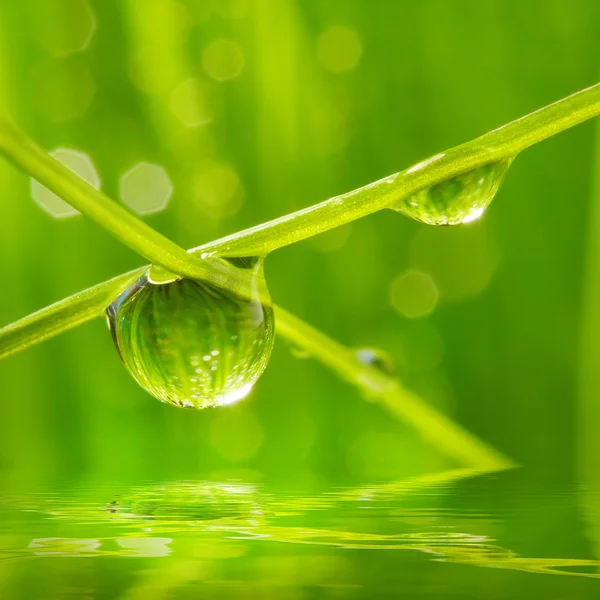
{"type": "Point", "coordinates": [219, 521]}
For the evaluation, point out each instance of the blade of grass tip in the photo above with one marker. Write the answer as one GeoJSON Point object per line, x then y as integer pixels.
{"type": "Point", "coordinates": [438, 429]}
{"type": "Point", "coordinates": [405, 487]}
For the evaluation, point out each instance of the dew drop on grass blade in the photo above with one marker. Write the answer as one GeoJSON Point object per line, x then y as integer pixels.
{"type": "Point", "coordinates": [190, 343]}
{"type": "Point", "coordinates": [460, 199]}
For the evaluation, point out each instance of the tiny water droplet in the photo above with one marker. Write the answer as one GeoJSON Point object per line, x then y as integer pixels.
{"type": "Point", "coordinates": [161, 330]}
{"type": "Point", "coordinates": [460, 199]}
{"type": "Point", "coordinates": [377, 358]}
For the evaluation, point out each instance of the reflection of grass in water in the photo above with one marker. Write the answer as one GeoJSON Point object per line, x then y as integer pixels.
{"type": "Point", "coordinates": [224, 519]}
{"type": "Point", "coordinates": [187, 502]}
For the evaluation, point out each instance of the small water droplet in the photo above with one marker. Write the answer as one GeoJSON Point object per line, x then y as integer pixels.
{"type": "Point", "coordinates": [460, 199]}
{"type": "Point", "coordinates": [160, 332]}
{"type": "Point", "coordinates": [377, 358]}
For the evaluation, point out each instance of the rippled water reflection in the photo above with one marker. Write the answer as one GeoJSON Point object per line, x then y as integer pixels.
{"type": "Point", "coordinates": [437, 536]}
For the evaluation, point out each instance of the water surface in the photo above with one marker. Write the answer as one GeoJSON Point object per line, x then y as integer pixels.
{"type": "Point", "coordinates": [451, 535]}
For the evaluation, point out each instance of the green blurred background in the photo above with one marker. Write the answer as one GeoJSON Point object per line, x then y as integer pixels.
{"type": "Point", "coordinates": [256, 108]}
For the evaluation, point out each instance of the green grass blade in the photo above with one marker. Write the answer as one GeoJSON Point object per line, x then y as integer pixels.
{"type": "Point", "coordinates": [61, 316]}
{"type": "Point", "coordinates": [439, 430]}
{"type": "Point", "coordinates": [505, 142]}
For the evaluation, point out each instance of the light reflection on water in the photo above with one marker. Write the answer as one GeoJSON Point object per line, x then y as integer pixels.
{"type": "Point", "coordinates": [203, 528]}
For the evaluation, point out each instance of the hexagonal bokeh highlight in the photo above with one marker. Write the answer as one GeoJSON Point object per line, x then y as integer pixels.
{"type": "Point", "coordinates": [339, 49]}
{"type": "Point", "coordinates": [146, 188]}
{"type": "Point", "coordinates": [414, 294]}
{"type": "Point", "coordinates": [218, 190]}
{"type": "Point", "coordinates": [191, 103]}
{"type": "Point", "coordinates": [67, 26]}
{"type": "Point", "coordinates": [223, 60]}
{"type": "Point", "coordinates": [76, 161]}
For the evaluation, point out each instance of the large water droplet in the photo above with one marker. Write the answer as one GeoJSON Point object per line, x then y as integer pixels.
{"type": "Point", "coordinates": [190, 343]}
{"type": "Point", "coordinates": [460, 199]}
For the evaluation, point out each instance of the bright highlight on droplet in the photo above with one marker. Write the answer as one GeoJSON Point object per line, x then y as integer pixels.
{"type": "Point", "coordinates": [191, 344]}
{"type": "Point", "coordinates": [414, 294]}
{"type": "Point", "coordinates": [474, 215]}
{"type": "Point", "coordinates": [146, 188]}
{"type": "Point", "coordinates": [460, 199]}
{"type": "Point", "coordinates": [236, 395]}
{"type": "Point", "coordinates": [223, 60]}
{"type": "Point", "coordinates": [339, 49]}
{"type": "Point", "coordinates": [76, 161]}
{"type": "Point", "coordinates": [374, 357]}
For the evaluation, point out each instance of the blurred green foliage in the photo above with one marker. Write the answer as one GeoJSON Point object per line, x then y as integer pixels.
{"type": "Point", "coordinates": [256, 108]}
